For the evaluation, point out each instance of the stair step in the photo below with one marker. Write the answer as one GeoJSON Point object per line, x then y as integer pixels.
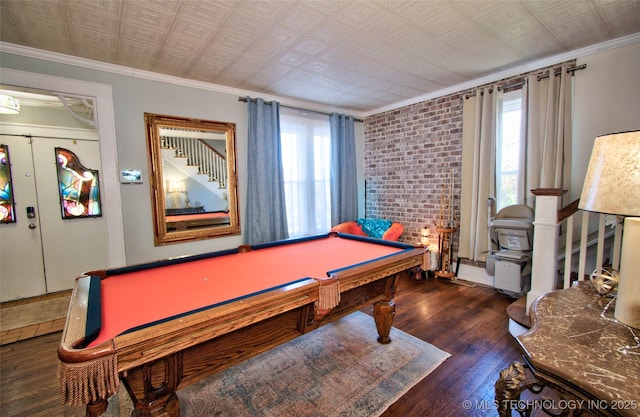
{"type": "Point", "coordinates": [517, 312]}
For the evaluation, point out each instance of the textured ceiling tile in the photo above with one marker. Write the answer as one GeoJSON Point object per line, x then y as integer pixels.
{"type": "Point", "coordinates": [247, 64]}
{"type": "Point", "coordinates": [138, 33]}
{"type": "Point", "coordinates": [318, 66]}
{"type": "Point", "coordinates": [361, 43]}
{"type": "Point", "coordinates": [233, 38]}
{"type": "Point", "coordinates": [173, 62]}
{"type": "Point", "coordinates": [310, 46]}
{"type": "Point", "coordinates": [535, 44]}
{"type": "Point", "coordinates": [516, 28]}
{"type": "Point", "coordinates": [213, 12]}
{"type": "Point", "coordinates": [250, 25]}
{"type": "Point", "coordinates": [186, 44]}
{"type": "Point", "coordinates": [276, 70]}
{"type": "Point", "coordinates": [149, 16]}
{"type": "Point", "coordinates": [328, 8]}
{"type": "Point", "coordinates": [301, 18]}
{"type": "Point", "coordinates": [493, 14]}
{"type": "Point", "coordinates": [40, 26]}
{"type": "Point", "coordinates": [264, 51]}
{"type": "Point", "coordinates": [333, 32]}
{"type": "Point", "coordinates": [219, 53]}
{"type": "Point", "coordinates": [137, 54]}
{"type": "Point", "coordinates": [44, 40]}
{"type": "Point", "coordinates": [434, 17]}
{"type": "Point", "coordinates": [208, 69]}
{"type": "Point", "coordinates": [282, 36]}
{"type": "Point", "coordinates": [408, 38]}
{"type": "Point", "coordinates": [361, 14]}
{"type": "Point", "coordinates": [190, 28]}
{"type": "Point", "coordinates": [93, 21]}
{"type": "Point", "coordinates": [623, 17]}
{"type": "Point", "coordinates": [104, 7]}
{"type": "Point", "coordinates": [467, 40]}
{"type": "Point", "coordinates": [582, 27]}
{"type": "Point", "coordinates": [267, 10]}
{"type": "Point", "coordinates": [343, 74]}
{"type": "Point", "coordinates": [8, 29]}
{"type": "Point", "coordinates": [292, 59]}
{"type": "Point", "coordinates": [52, 9]}
{"type": "Point", "coordinates": [102, 48]}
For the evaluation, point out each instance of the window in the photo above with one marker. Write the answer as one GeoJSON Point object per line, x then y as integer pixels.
{"type": "Point", "coordinates": [510, 151]}
{"type": "Point", "coordinates": [306, 153]}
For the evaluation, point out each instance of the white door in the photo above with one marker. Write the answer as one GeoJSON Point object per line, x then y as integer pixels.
{"type": "Point", "coordinates": [21, 260]}
{"type": "Point", "coordinates": [65, 247]}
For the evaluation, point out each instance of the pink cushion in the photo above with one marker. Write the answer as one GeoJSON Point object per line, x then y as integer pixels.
{"type": "Point", "coordinates": [394, 232]}
{"type": "Point", "coordinates": [351, 228]}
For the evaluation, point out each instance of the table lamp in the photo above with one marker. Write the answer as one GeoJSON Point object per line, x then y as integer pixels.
{"type": "Point", "coordinates": [612, 186]}
{"type": "Point", "coordinates": [424, 240]}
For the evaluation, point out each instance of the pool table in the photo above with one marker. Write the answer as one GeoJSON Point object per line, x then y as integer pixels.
{"type": "Point", "coordinates": [161, 326]}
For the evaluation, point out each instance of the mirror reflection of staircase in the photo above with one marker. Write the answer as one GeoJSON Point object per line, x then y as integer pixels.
{"type": "Point", "coordinates": [205, 159]}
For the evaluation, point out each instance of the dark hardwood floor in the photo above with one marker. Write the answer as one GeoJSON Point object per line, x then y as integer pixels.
{"type": "Point", "coordinates": [468, 322]}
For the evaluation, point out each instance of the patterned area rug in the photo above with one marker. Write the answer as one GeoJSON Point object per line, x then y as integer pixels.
{"type": "Point", "coordinates": [337, 370]}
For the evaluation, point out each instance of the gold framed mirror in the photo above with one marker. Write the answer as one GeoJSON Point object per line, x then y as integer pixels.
{"type": "Point", "coordinates": [192, 172]}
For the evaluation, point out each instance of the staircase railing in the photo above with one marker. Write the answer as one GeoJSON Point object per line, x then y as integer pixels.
{"type": "Point", "coordinates": [554, 267]}
{"type": "Point", "coordinates": [602, 244]}
{"type": "Point", "coordinates": [199, 154]}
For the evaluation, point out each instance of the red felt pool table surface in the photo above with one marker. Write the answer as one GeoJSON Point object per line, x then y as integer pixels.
{"type": "Point", "coordinates": [175, 289]}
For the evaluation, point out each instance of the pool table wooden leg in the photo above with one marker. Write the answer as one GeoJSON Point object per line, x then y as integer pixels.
{"type": "Point", "coordinates": [385, 310]}
{"type": "Point", "coordinates": [152, 387]}
{"type": "Point", "coordinates": [97, 408]}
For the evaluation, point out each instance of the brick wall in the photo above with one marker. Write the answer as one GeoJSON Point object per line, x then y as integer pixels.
{"type": "Point", "coordinates": [409, 154]}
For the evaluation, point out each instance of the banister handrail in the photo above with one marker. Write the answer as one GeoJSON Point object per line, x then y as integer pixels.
{"type": "Point", "coordinates": [208, 160]}
{"type": "Point", "coordinates": [568, 210]}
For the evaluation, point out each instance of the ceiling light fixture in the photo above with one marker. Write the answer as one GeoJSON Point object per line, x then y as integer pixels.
{"type": "Point", "coordinates": [9, 105]}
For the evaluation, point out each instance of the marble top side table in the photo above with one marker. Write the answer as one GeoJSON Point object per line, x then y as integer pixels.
{"type": "Point", "coordinates": [577, 349]}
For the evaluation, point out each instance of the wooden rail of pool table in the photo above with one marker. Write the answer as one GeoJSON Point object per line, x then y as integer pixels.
{"type": "Point", "coordinates": [179, 352]}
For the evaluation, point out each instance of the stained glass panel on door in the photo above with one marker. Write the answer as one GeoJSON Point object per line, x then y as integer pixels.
{"type": "Point", "coordinates": [7, 206]}
{"type": "Point", "coordinates": [79, 187]}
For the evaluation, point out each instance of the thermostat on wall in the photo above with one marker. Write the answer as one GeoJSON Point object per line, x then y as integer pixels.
{"type": "Point", "coordinates": [131, 176]}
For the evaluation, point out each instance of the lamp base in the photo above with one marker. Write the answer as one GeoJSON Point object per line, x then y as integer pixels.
{"type": "Point", "coordinates": [628, 300]}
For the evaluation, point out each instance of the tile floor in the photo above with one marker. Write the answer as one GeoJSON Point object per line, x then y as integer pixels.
{"type": "Point", "coordinates": [39, 329]}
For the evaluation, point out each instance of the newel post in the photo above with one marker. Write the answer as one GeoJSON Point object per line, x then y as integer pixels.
{"type": "Point", "coordinates": [546, 228]}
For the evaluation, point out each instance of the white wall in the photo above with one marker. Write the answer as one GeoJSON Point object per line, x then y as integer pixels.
{"type": "Point", "coordinates": [607, 100]}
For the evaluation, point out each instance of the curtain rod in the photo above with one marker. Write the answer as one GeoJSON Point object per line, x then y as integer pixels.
{"type": "Point", "coordinates": [523, 82]}
{"type": "Point", "coordinates": [500, 87]}
{"type": "Point", "coordinates": [244, 99]}
{"type": "Point", "coordinates": [558, 72]}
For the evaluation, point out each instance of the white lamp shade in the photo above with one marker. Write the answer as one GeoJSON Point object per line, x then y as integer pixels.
{"type": "Point", "coordinates": [612, 183]}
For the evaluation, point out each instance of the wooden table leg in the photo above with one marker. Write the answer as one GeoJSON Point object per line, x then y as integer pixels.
{"type": "Point", "coordinates": [97, 408]}
{"type": "Point", "coordinates": [383, 313]}
{"type": "Point", "coordinates": [156, 399]}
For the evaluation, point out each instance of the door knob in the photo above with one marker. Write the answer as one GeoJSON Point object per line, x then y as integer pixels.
{"type": "Point", "coordinates": [32, 226]}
